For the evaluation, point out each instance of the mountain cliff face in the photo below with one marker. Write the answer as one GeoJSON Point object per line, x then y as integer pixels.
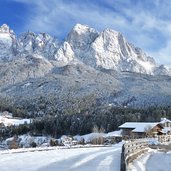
{"type": "Point", "coordinates": [101, 64]}
{"type": "Point", "coordinates": [109, 50]}
{"type": "Point", "coordinates": [7, 43]}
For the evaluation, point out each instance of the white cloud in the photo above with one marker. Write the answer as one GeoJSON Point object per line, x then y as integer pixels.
{"type": "Point", "coordinates": [163, 54]}
{"type": "Point", "coordinates": [136, 22]}
{"type": "Point", "coordinates": [58, 17]}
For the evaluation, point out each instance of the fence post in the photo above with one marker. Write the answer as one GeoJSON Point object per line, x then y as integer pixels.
{"type": "Point", "coordinates": [123, 164]}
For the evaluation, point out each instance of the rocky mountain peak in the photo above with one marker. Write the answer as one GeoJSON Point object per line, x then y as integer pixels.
{"type": "Point", "coordinates": [162, 70]}
{"type": "Point", "coordinates": [7, 42]}
{"type": "Point", "coordinates": [82, 29]}
{"type": "Point", "coordinates": [81, 36]}
{"type": "Point", "coordinates": [5, 29]}
{"type": "Point", "coordinates": [42, 44]}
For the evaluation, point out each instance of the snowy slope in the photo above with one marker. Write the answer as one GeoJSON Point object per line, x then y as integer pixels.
{"type": "Point", "coordinates": [153, 161]}
{"type": "Point", "coordinates": [89, 137]}
{"type": "Point", "coordinates": [87, 63]}
{"type": "Point", "coordinates": [8, 120]}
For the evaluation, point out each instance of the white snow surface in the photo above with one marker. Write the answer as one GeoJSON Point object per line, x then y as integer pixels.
{"type": "Point", "coordinates": [89, 137]}
{"type": "Point", "coordinates": [26, 140]}
{"type": "Point", "coordinates": [164, 120]}
{"type": "Point", "coordinates": [152, 161]}
{"type": "Point", "coordinates": [5, 36]}
{"type": "Point", "coordinates": [8, 120]}
{"type": "Point", "coordinates": [11, 121]}
{"type": "Point", "coordinates": [139, 164]}
{"type": "Point", "coordinates": [138, 126]}
{"type": "Point", "coordinates": [159, 162]}
{"type": "Point", "coordinates": [117, 133]}
{"type": "Point", "coordinates": [80, 159]}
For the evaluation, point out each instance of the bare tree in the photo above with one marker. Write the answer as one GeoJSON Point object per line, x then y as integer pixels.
{"type": "Point", "coordinates": [98, 137]}
{"type": "Point", "coordinates": [148, 131]}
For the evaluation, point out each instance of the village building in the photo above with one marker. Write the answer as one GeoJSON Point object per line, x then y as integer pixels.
{"type": "Point", "coordinates": [166, 123]}
{"type": "Point", "coordinates": [113, 137]}
{"type": "Point", "coordinates": [145, 129]}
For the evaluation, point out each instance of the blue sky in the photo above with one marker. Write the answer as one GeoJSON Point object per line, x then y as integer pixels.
{"type": "Point", "coordinates": [145, 23]}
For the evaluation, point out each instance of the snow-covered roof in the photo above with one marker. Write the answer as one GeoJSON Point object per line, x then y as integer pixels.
{"type": "Point", "coordinates": [114, 134]}
{"type": "Point", "coordinates": [165, 130]}
{"type": "Point", "coordinates": [164, 120]}
{"type": "Point", "coordinates": [91, 136]}
{"type": "Point", "coordinates": [138, 126]}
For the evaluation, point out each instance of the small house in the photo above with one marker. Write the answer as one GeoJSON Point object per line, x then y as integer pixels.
{"type": "Point", "coordinates": [140, 129]}
{"type": "Point", "coordinates": [166, 124]}
{"type": "Point", "coordinates": [113, 137]}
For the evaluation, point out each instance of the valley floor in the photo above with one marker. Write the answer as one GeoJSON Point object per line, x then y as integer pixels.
{"type": "Point", "coordinates": [79, 159]}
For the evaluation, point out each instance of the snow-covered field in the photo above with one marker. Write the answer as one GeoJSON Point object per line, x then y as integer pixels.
{"type": "Point", "coordinates": [139, 164]}
{"type": "Point", "coordinates": [152, 161]}
{"type": "Point", "coordinates": [7, 119]}
{"type": "Point", "coordinates": [79, 159]}
{"type": "Point", "coordinates": [159, 162]}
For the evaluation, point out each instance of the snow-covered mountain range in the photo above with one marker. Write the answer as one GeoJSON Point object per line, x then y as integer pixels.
{"type": "Point", "coordinates": [108, 50]}
{"type": "Point", "coordinates": [86, 62]}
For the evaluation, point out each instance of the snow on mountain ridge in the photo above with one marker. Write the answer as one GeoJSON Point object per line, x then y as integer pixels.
{"type": "Point", "coordinates": [5, 29]}
{"type": "Point", "coordinates": [81, 37]}
{"type": "Point", "coordinates": [107, 49]}
{"type": "Point", "coordinates": [7, 43]}
{"type": "Point", "coordinates": [42, 44]}
{"type": "Point", "coordinates": [110, 50]}
{"type": "Point", "coordinates": [87, 63]}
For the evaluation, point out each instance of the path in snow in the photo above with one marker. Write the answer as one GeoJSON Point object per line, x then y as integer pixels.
{"type": "Point", "coordinates": [80, 159]}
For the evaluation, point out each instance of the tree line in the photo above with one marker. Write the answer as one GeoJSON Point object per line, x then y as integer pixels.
{"type": "Point", "coordinates": [83, 122]}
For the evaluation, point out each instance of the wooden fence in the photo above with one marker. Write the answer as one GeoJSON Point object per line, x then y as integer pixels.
{"type": "Point", "coordinates": [131, 150]}
{"type": "Point", "coordinates": [163, 138]}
